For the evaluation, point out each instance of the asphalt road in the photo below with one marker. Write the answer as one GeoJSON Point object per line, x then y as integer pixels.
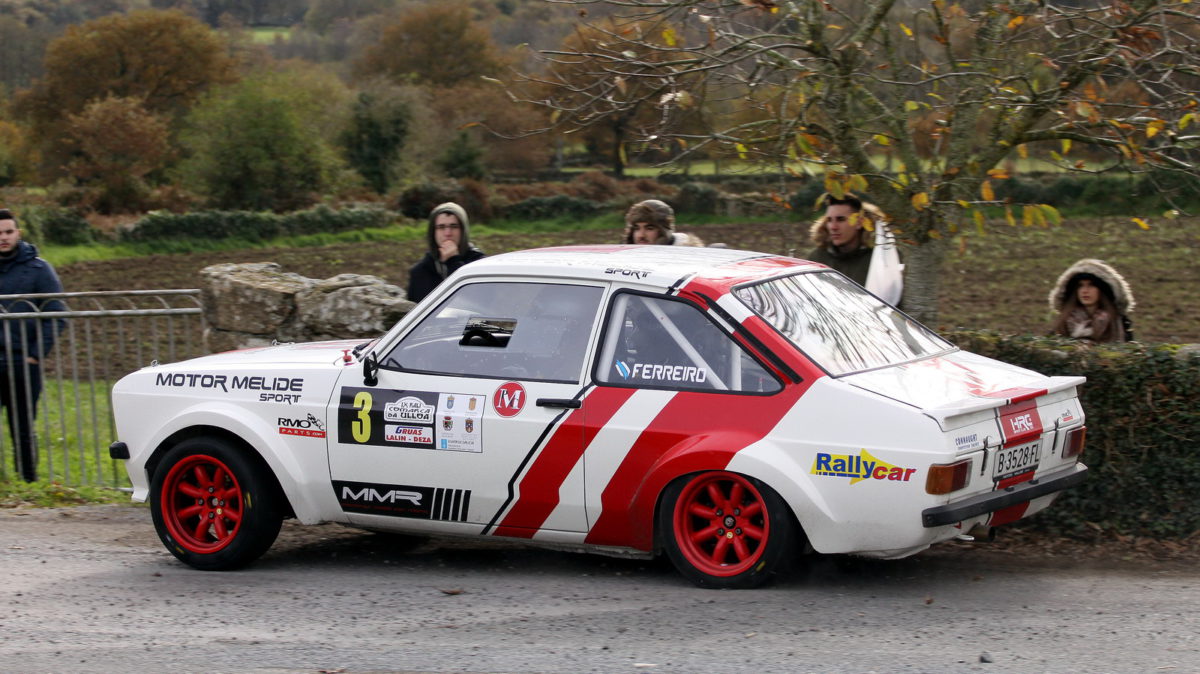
{"type": "Point", "coordinates": [91, 589]}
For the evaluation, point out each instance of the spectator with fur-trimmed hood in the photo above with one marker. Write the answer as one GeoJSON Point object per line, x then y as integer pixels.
{"type": "Point", "coordinates": [1093, 303]}
{"type": "Point", "coordinates": [450, 247]}
{"type": "Point", "coordinates": [653, 222]}
{"type": "Point", "coordinates": [842, 241]}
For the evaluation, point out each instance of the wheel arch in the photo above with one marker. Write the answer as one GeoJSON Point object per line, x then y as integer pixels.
{"type": "Point", "coordinates": [658, 539]}
{"type": "Point", "coordinates": [707, 453]}
{"type": "Point", "coordinates": [204, 430]}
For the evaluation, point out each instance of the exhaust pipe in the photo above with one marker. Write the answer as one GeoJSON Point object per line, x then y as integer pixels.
{"type": "Point", "coordinates": [980, 533]}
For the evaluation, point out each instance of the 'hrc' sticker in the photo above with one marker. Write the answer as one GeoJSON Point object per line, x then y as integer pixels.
{"type": "Point", "coordinates": [859, 468]}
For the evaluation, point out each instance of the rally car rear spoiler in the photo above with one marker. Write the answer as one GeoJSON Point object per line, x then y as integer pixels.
{"type": "Point", "coordinates": [943, 413]}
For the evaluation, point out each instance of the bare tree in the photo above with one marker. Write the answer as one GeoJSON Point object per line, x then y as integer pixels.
{"type": "Point", "coordinates": [946, 91]}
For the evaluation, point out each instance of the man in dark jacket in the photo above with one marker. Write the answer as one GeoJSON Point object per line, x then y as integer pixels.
{"type": "Point", "coordinates": [842, 242]}
{"type": "Point", "coordinates": [450, 247]}
{"type": "Point", "coordinates": [25, 341]}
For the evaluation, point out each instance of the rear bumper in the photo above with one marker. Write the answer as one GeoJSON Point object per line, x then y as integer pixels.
{"type": "Point", "coordinates": [958, 511]}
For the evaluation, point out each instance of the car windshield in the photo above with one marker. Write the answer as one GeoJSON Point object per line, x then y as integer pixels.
{"type": "Point", "coordinates": [837, 324]}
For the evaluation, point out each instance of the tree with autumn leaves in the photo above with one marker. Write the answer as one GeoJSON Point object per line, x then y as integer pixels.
{"type": "Point", "coordinates": [165, 60]}
{"type": "Point", "coordinates": [917, 104]}
{"type": "Point", "coordinates": [605, 86]}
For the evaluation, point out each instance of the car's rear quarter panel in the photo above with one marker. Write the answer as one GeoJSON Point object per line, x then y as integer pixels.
{"type": "Point", "coordinates": [835, 421]}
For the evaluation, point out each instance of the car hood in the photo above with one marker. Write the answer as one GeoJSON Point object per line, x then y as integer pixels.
{"type": "Point", "coordinates": [958, 383]}
{"type": "Point", "coordinates": [304, 353]}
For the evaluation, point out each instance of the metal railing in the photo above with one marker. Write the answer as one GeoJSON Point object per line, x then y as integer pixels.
{"type": "Point", "coordinates": [100, 337]}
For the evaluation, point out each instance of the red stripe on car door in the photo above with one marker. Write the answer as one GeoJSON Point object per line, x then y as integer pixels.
{"type": "Point", "coordinates": [539, 488]}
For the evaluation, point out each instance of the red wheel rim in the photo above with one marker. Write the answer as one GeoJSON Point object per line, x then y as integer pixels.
{"type": "Point", "coordinates": [721, 524]}
{"type": "Point", "coordinates": [202, 504]}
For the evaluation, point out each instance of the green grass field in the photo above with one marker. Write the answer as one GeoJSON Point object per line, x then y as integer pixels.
{"type": "Point", "coordinates": [268, 35]}
{"type": "Point", "coordinates": [74, 430]}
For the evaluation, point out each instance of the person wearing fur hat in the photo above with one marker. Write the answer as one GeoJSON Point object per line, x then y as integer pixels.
{"type": "Point", "coordinates": [1093, 303]}
{"type": "Point", "coordinates": [653, 222]}
{"type": "Point", "coordinates": [450, 247]}
{"type": "Point", "coordinates": [842, 241]}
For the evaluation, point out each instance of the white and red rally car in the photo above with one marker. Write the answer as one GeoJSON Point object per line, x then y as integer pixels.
{"type": "Point", "coordinates": [733, 409]}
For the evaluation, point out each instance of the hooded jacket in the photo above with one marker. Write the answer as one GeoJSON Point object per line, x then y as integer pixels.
{"type": "Point", "coordinates": [856, 263]}
{"type": "Point", "coordinates": [430, 271]}
{"type": "Point", "coordinates": [1111, 284]}
{"type": "Point", "coordinates": [24, 273]}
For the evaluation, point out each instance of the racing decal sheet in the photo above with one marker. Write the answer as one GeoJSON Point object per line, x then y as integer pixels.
{"type": "Point", "coordinates": [419, 419]}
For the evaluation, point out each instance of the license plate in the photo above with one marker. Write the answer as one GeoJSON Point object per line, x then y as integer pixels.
{"type": "Point", "coordinates": [1017, 459]}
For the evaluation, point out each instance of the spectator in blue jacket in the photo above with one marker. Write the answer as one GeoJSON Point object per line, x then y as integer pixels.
{"type": "Point", "coordinates": [26, 341]}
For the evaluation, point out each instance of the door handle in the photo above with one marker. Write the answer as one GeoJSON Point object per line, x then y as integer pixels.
{"type": "Point", "coordinates": [569, 403]}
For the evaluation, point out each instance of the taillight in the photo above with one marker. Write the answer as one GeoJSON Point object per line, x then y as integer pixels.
{"type": "Point", "coordinates": [944, 478]}
{"type": "Point", "coordinates": [1073, 443]}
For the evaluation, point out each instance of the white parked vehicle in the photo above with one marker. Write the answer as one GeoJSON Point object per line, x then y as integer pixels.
{"type": "Point", "coordinates": [732, 409]}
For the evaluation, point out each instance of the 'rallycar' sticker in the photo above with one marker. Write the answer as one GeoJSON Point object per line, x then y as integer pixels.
{"type": "Point", "coordinates": [859, 468]}
{"type": "Point", "coordinates": [419, 419]}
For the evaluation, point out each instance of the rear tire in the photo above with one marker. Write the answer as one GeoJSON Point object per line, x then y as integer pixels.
{"type": "Point", "coordinates": [214, 507]}
{"type": "Point", "coordinates": [726, 531]}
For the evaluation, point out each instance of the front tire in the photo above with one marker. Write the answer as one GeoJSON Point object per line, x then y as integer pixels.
{"type": "Point", "coordinates": [214, 507]}
{"type": "Point", "coordinates": [726, 531]}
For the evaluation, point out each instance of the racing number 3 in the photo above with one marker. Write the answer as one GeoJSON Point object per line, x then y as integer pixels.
{"type": "Point", "coordinates": [360, 428]}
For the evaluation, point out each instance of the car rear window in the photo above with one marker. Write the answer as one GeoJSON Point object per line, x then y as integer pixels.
{"type": "Point", "coordinates": [839, 325]}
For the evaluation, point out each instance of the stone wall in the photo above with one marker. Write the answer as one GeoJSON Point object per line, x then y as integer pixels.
{"type": "Point", "coordinates": [255, 304]}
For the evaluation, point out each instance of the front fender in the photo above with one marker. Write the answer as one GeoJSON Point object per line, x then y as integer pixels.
{"type": "Point", "coordinates": [295, 464]}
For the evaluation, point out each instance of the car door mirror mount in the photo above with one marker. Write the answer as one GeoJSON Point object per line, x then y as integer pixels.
{"type": "Point", "coordinates": [370, 369]}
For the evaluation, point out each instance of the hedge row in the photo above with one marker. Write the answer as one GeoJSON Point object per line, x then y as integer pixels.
{"type": "Point", "coordinates": [584, 195]}
{"type": "Point", "coordinates": [55, 224]}
{"type": "Point", "coordinates": [254, 225]}
{"type": "Point", "coordinates": [1099, 194]}
{"type": "Point", "coordinates": [1143, 441]}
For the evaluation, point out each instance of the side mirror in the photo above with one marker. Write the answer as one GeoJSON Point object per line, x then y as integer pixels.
{"type": "Point", "coordinates": [370, 370]}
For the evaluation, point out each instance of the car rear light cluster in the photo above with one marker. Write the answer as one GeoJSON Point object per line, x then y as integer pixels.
{"type": "Point", "coordinates": [1073, 443]}
{"type": "Point", "coordinates": [944, 478]}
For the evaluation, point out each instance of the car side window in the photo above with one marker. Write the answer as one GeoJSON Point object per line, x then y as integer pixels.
{"type": "Point", "coordinates": [656, 342]}
{"type": "Point", "coordinates": [537, 331]}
